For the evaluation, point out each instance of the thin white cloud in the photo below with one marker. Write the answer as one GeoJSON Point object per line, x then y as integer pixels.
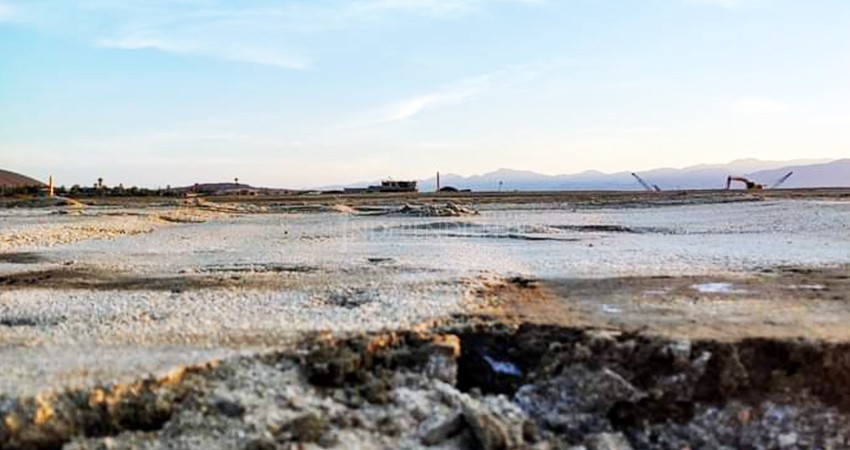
{"type": "Point", "coordinates": [758, 106]}
{"type": "Point", "coordinates": [456, 92]}
{"type": "Point", "coordinates": [6, 12]}
{"type": "Point", "coordinates": [433, 7]}
{"type": "Point", "coordinates": [727, 4]}
{"type": "Point", "coordinates": [239, 52]}
{"type": "Point", "coordinates": [257, 31]}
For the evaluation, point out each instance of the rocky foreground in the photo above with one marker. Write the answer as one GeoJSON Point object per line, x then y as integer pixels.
{"type": "Point", "coordinates": [476, 386]}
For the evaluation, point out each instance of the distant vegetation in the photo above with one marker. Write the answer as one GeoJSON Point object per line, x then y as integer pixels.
{"type": "Point", "coordinates": [94, 191]}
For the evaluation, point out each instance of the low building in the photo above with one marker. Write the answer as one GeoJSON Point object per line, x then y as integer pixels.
{"type": "Point", "coordinates": [394, 186]}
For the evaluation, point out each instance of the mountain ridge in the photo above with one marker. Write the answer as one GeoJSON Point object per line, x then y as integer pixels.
{"type": "Point", "coordinates": [812, 173]}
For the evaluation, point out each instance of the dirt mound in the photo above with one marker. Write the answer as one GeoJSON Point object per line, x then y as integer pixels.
{"type": "Point", "coordinates": [238, 208]}
{"type": "Point", "coordinates": [16, 180]}
{"type": "Point", "coordinates": [447, 210]}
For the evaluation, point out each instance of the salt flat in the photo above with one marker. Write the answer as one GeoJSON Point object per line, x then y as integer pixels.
{"type": "Point", "coordinates": [114, 293]}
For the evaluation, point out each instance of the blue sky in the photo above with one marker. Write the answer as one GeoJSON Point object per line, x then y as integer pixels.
{"type": "Point", "coordinates": [306, 93]}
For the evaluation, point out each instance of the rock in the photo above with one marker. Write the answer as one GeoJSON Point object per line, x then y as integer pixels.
{"type": "Point", "coordinates": [229, 408]}
{"type": "Point", "coordinates": [442, 367]}
{"type": "Point", "coordinates": [437, 430]}
{"type": "Point", "coordinates": [496, 423]}
{"type": "Point", "coordinates": [260, 444]}
{"type": "Point", "coordinates": [680, 351]}
{"type": "Point", "coordinates": [308, 428]}
{"type": "Point", "coordinates": [577, 401]}
{"type": "Point", "coordinates": [607, 441]}
{"type": "Point", "coordinates": [328, 440]}
{"type": "Point", "coordinates": [786, 440]}
{"type": "Point", "coordinates": [442, 360]}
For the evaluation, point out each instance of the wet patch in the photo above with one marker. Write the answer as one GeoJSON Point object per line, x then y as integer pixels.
{"type": "Point", "coordinates": [512, 236]}
{"type": "Point", "coordinates": [718, 288]}
{"type": "Point", "coordinates": [81, 278]}
{"type": "Point", "coordinates": [813, 305]}
{"type": "Point", "coordinates": [611, 229]}
{"type": "Point", "coordinates": [468, 230]}
{"type": "Point", "coordinates": [379, 260]}
{"type": "Point", "coordinates": [22, 258]}
{"type": "Point", "coordinates": [258, 268]}
{"type": "Point", "coordinates": [30, 321]}
{"type": "Point", "coordinates": [351, 298]}
{"type": "Point", "coordinates": [807, 287]}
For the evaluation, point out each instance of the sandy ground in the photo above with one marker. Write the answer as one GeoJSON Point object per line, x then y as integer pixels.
{"type": "Point", "coordinates": [117, 292]}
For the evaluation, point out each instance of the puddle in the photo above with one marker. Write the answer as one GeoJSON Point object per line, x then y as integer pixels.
{"type": "Point", "coordinates": [503, 367]}
{"type": "Point", "coordinates": [717, 288]}
{"type": "Point", "coordinates": [609, 309]}
{"type": "Point", "coordinates": [807, 287]}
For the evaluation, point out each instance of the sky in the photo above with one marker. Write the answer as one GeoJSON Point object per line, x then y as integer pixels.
{"type": "Point", "coordinates": [302, 93]}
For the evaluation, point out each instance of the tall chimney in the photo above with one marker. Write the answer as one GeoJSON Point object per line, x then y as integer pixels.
{"type": "Point", "coordinates": [50, 186]}
{"type": "Point", "coordinates": [438, 181]}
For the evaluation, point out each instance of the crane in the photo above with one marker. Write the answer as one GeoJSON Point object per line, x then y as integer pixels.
{"type": "Point", "coordinates": [781, 180]}
{"type": "Point", "coordinates": [753, 186]}
{"type": "Point", "coordinates": [652, 188]}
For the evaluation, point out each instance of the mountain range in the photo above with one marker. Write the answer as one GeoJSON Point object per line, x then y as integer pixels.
{"type": "Point", "coordinates": [807, 173]}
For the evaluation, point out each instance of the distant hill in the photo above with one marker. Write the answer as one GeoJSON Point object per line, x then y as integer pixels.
{"type": "Point", "coordinates": [229, 188]}
{"type": "Point", "coordinates": [832, 174]}
{"type": "Point", "coordinates": [212, 187]}
{"type": "Point", "coordinates": [15, 180]}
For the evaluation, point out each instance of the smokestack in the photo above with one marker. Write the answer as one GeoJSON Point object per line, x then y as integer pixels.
{"type": "Point", "coordinates": [50, 186]}
{"type": "Point", "coordinates": [438, 181]}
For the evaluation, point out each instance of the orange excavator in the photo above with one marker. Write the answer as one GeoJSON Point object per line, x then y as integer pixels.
{"type": "Point", "coordinates": [753, 186]}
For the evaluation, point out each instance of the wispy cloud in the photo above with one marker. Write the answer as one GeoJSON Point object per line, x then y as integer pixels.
{"type": "Point", "coordinates": [434, 7]}
{"type": "Point", "coordinates": [456, 92]}
{"type": "Point", "coordinates": [232, 51]}
{"type": "Point", "coordinates": [265, 32]}
{"type": "Point", "coordinates": [6, 12]}
{"type": "Point", "coordinates": [759, 106]}
{"type": "Point", "coordinates": [728, 4]}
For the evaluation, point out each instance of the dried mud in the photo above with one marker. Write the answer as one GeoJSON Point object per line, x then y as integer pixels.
{"type": "Point", "coordinates": [470, 385]}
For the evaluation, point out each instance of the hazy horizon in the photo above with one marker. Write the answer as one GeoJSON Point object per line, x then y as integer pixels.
{"type": "Point", "coordinates": [305, 94]}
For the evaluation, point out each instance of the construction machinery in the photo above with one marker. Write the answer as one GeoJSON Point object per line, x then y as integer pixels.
{"type": "Point", "coordinates": [753, 186]}
{"type": "Point", "coordinates": [647, 186]}
{"type": "Point", "coordinates": [781, 180]}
